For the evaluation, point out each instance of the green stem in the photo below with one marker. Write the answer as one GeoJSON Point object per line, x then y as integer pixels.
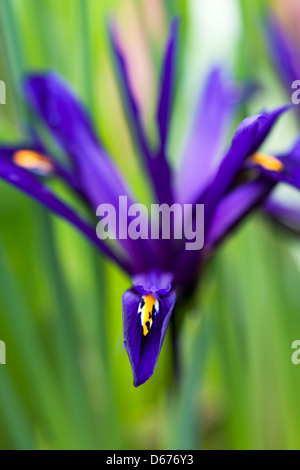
{"type": "Point", "coordinates": [186, 432]}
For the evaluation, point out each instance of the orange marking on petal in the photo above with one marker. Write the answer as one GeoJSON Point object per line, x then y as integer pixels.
{"type": "Point", "coordinates": [33, 161]}
{"type": "Point", "coordinates": [267, 161]}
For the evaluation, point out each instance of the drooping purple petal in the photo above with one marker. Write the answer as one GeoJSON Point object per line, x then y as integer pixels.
{"type": "Point", "coordinates": [234, 207]}
{"type": "Point", "coordinates": [290, 173]}
{"type": "Point", "coordinates": [9, 152]}
{"type": "Point", "coordinates": [29, 184]}
{"type": "Point", "coordinates": [266, 122]}
{"type": "Point", "coordinates": [249, 136]}
{"type": "Point", "coordinates": [143, 350]}
{"type": "Point", "coordinates": [285, 215]}
{"type": "Point", "coordinates": [207, 136]}
{"type": "Point", "coordinates": [64, 171]}
{"type": "Point", "coordinates": [70, 125]}
{"type": "Point", "coordinates": [247, 139]}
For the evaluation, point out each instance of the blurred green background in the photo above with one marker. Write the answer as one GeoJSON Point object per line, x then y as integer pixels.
{"type": "Point", "coordinates": [68, 383]}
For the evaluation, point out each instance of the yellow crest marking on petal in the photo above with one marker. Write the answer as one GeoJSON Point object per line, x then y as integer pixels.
{"type": "Point", "coordinates": [148, 308]}
{"type": "Point", "coordinates": [33, 161]}
{"type": "Point", "coordinates": [267, 161]}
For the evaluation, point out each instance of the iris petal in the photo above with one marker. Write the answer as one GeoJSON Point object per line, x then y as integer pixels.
{"type": "Point", "coordinates": [143, 349]}
{"type": "Point", "coordinates": [34, 161]}
{"type": "Point", "coordinates": [56, 103]}
{"type": "Point", "coordinates": [286, 170]}
{"type": "Point", "coordinates": [207, 135]}
{"type": "Point", "coordinates": [29, 184]}
{"type": "Point", "coordinates": [155, 162]}
{"type": "Point", "coordinates": [284, 214]}
{"type": "Point", "coordinates": [165, 102]}
{"type": "Point", "coordinates": [284, 53]}
{"type": "Point", "coordinates": [249, 136]}
{"type": "Point", "coordinates": [233, 209]}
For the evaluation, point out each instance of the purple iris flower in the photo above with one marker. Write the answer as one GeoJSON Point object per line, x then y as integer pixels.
{"type": "Point", "coordinates": [284, 48]}
{"type": "Point", "coordinates": [285, 55]}
{"type": "Point", "coordinates": [230, 185]}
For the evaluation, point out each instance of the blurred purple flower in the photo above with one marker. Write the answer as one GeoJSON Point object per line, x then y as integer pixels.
{"type": "Point", "coordinates": [285, 54]}
{"type": "Point", "coordinates": [284, 46]}
{"type": "Point", "coordinates": [229, 185]}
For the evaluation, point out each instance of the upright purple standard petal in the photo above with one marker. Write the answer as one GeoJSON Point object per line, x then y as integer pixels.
{"type": "Point", "coordinates": [147, 309]}
{"type": "Point", "coordinates": [154, 161]}
{"type": "Point", "coordinates": [165, 102]}
{"type": "Point", "coordinates": [207, 136]}
{"type": "Point", "coordinates": [159, 166]}
{"type": "Point", "coordinates": [285, 54]}
{"type": "Point", "coordinates": [129, 100]}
